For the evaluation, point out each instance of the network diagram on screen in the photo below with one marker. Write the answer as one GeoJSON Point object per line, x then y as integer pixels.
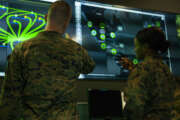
{"type": "Point", "coordinates": [19, 25]}
{"type": "Point", "coordinates": [108, 32]}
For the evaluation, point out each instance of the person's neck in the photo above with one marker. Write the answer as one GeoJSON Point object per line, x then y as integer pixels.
{"type": "Point", "coordinates": [51, 28]}
{"type": "Point", "coordinates": [151, 55]}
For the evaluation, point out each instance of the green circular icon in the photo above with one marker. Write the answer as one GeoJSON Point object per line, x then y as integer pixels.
{"type": "Point", "coordinates": [149, 25]}
{"type": "Point", "coordinates": [178, 19]}
{"type": "Point", "coordinates": [90, 24]}
{"type": "Point", "coordinates": [114, 51]}
{"type": "Point", "coordinates": [158, 24]}
{"type": "Point", "coordinates": [103, 46]}
{"type": "Point", "coordinates": [93, 32]}
{"type": "Point", "coordinates": [178, 31]}
{"type": "Point", "coordinates": [102, 36]}
{"type": "Point", "coordinates": [102, 25]}
{"type": "Point", "coordinates": [179, 34]}
{"type": "Point", "coordinates": [135, 61]}
{"type": "Point", "coordinates": [113, 35]}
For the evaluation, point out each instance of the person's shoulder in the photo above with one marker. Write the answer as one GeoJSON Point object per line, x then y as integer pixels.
{"type": "Point", "coordinates": [152, 63]}
{"type": "Point", "coordinates": [73, 44]}
{"type": "Point", "coordinates": [147, 66]}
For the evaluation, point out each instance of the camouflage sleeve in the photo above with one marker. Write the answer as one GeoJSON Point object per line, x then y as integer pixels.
{"type": "Point", "coordinates": [134, 97]}
{"type": "Point", "coordinates": [12, 87]}
{"type": "Point", "coordinates": [137, 94]}
{"type": "Point", "coordinates": [14, 78]}
{"type": "Point", "coordinates": [88, 63]}
{"type": "Point", "coordinates": [176, 104]}
{"type": "Point", "coordinates": [146, 98]}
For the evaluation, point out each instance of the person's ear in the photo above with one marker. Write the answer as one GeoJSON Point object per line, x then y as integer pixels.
{"type": "Point", "coordinates": [145, 47]}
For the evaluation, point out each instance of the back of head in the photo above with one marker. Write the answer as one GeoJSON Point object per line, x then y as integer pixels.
{"type": "Point", "coordinates": [155, 38]}
{"type": "Point", "coordinates": [59, 13]}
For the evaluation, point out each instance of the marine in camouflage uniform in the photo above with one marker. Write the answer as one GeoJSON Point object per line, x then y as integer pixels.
{"type": "Point", "coordinates": [149, 95]}
{"type": "Point", "coordinates": [41, 75]}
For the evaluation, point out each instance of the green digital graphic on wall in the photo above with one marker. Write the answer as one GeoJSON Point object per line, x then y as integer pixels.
{"type": "Point", "coordinates": [19, 25]}
{"type": "Point", "coordinates": [178, 25]}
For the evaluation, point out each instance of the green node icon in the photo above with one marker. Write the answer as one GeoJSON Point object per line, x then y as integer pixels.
{"type": "Point", "coordinates": [90, 24]}
{"type": "Point", "coordinates": [158, 24]}
{"type": "Point", "coordinates": [178, 31]}
{"type": "Point", "coordinates": [103, 46]}
{"type": "Point", "coordinates": [135, 61]}
{"type": "Point", "coordinates": [114, 51]}
{"type": "Point", "coordinates": [93, 32]}
{"type": "Point", "coordinates": [102, 36]}
{"type": "Point", "coordinates": [149, 25]}
{"type": "Point", "coordinates": [113, 35]}
{"type": "Point", "coordinates": [102, 25]}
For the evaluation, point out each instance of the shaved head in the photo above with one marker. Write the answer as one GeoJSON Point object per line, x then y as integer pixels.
{"type": "Point", "coordinates": [59, 14]}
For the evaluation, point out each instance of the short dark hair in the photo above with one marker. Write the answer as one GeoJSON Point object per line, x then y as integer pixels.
{"type": "Point", "coordinates": [60, 11]}
{"type": "Point", "coordinates": [154, 37]}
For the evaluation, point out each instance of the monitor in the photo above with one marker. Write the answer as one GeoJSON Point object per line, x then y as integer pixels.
{"type": "Point", "coordinates": [108, 31]}
{"type": "Point", "coordinates": [105, 103]}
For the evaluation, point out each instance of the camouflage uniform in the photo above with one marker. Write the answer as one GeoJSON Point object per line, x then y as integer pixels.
{"type": "Point", "coordinates": [149, 94]}
{"type": "Point", "coordinates": [40, 83]}
{"type": "Point", "coordinates": [176, 104]}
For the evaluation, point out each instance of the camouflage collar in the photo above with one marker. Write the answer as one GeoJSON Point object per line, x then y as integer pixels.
{"type": "Point", "coordinates": [50, 33]}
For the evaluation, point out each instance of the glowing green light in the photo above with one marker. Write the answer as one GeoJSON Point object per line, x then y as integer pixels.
{"type": "Point", "coordinates": [14, 21]}
{"type": "Point", "coordinates": [93, 32]}
{"type": "Point", "coordinates": [90, 24]}
{"type": "Point", "coordinates": [114, 51]}
{"type": "Point", "coordinates": [1, 6]}
{"type": "Point", "coordinates": [102, 25]}
{"type": "Point", "coordinates": [102, 36]}
{"type": "Point", "coordinates": [103, 46]}
{"type": "Point", "coordinates": [113, 35]}
{"type": "Point", "coordinates": [158, 24]}
{"type": "Point", "coordinates": [178, 20]}
{"type": "Point", "coordinates": [149, 25]}
{"type": "Point", "coordinates": [178, 30]}
{"type": "Point", "coordinates": [29, 31]}
{"type": "Point", "coordinates": [39, 18]}
{"type": "Point", "coordinates": [135, 61]}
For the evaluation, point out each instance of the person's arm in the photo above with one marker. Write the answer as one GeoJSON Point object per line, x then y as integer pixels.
{"type": "Point", "coordinates": [14, 79]}
{"type": "Point", "coordinates": [136, 94]}
{"type": "Point", "coordinates": [126, 63]}
{"type": "Point", "coordinates": [88, 63]}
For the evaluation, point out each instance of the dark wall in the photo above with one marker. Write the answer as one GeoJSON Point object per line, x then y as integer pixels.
{"type": "Point", "coordinates": [160, 5]}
